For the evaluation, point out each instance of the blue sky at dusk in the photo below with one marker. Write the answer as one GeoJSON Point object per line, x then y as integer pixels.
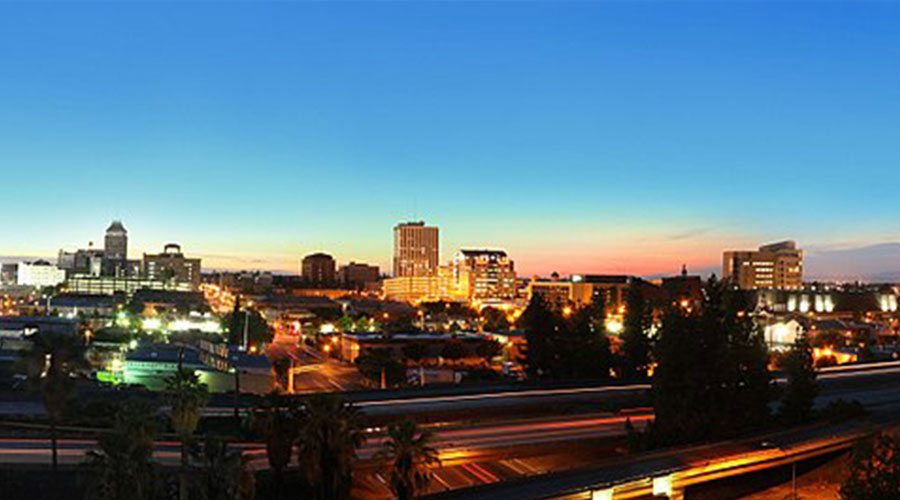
{"type": "Point", "coordinates": [582, 137]}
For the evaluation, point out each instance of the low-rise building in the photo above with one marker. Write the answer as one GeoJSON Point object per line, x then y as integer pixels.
{"type": "Point", "coordinates": [416, 289]}
{"type": "Point", "coordinates": [430, 345]}
{"type": "Point", "coordinates": [39, 274]}
{"type": "Point", "coordinates": [357, 276]}
{"type": "Point", "coordinates": [582, 289]}
{"type": "Point", "coordinates": [86, 306]}
{"type": "Point", "coordinates": [108, 285]}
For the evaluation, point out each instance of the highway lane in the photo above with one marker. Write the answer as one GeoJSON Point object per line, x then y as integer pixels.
{"type": "Point", "coordinates": [472, 454]}
{"type": "Point", "coordinates": [335, 376]}
{"type": "Point", "coordinates": [454, 443]}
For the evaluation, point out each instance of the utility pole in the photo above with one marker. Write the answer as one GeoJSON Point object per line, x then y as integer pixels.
{"type": "Point", "coordinates": [246, 325]}
{"type": "Point", "coordinates": [794, 480]}
{"type": "Point", "coordinates": [237, 393]}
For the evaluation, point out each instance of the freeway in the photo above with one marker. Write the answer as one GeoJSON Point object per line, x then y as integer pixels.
{"type": "Point", "coordinates": [672, 472]}
{"type": "Point", "coordinates": [472, 454]}
{"type": "Point", "coordinates": [335, 376]}
{"type": "Point", "coordinates": [455, 443]}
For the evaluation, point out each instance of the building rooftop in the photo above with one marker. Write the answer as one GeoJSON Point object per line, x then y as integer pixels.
{"type": "Point", "coordinates": [52, 324]}
{"type": "Point", "coordinates": [84, 300]}
{"type": "Point", "coordinates": [482, 251]}
{"type": "Point", "coordinates": [116, 227]}
{"type": "Point", "coordinates": [423, 336]}
{"type": "Point", "coordinates": [164, 353]}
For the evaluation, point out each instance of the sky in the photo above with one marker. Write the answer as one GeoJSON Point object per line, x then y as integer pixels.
{"type": "Point", "coordinates": [623, 137]}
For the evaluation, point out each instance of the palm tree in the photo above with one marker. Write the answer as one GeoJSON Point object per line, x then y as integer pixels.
{"type": "Point", "coordinates": [219, 470]}
{"type": "Point", "coordinates": [186, 397]}
{"type": "Point", "coordinates": [411, 456]}
{"type": "Point", "coordinates": [122, 465]}
{"type": "Point", "coordinates": [329, 439]}
{"type": "Point", "coordinates": [51, 364]}
{"type": "Point", "coordinates": [275, 418]}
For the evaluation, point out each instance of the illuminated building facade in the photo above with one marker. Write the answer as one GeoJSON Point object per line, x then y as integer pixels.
{"type": "Point", "coordinates": [556, 294]}
{"type": "Point", "coordinates": [487, 275]}
{"type": "Point", "coordinates": [39, 274]}
{"type": "Point", "coordinates": [778, 266]}
{"type": "Point", "coordinates": [416, 249]}
{"type": "Point", "coordinates": [581, 289]}
{"type": "Point", "coordinates": [415, 289]}
{"type": "Point", "coordinates": [108, 285]}
{"type": "Point", "coordinates": [172, 266]}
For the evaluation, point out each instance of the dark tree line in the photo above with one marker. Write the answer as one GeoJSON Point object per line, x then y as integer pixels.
{"type": "Point", "coordinates": [712, 379]}
{"type": "Point", "coordinates": [636, 341]}
{"type": "Point", "coordinates": [566, 348]}
{"type": "Point", "coordinates": [709, 362]}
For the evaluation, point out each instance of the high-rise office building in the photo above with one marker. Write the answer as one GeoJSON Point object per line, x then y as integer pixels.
{"type": "Point", "coordinates": [416, 249]}
{"type": "Point", "coordinates": [318, 269]}
{"type": "Point", "coordinates": [115, 249]}
{"type": "Point", "coordinates": [486, 274]}
{"type": "Point", "coordinates": [778, 266]}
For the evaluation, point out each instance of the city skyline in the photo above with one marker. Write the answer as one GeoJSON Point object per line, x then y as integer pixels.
{"type": "Point", "coordinates": [623, 139]}
{"type": "Point", "coordinates": [827, 263]}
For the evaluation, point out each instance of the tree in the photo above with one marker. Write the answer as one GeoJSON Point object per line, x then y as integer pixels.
{"type": "Point", "coordinates": [494, 320]}
{"type": "Point", "coordinates": [636, 345]}
{"type": "Point", "coordinates": [712, 379]}
{"type": "Point", "coordinates": [542, 334]}
{"type": "Point", "coordinates": [258, 331]}
{"type": "Point", "coordinates": [329, 439]}
{"type": "Point", "coordinates": [453, 351]}
{"type": "Point", "coordinates": [411, 456]}
{"type": "Point", "coordinates": [52, 362]}
{"type": "Point", "coordinates": [801, 387]}
{"type": "Point", "coordinates": [186, 397]}
{"type": "Point", "coordinates": [275, 418]}
{"type": "Point", "coordinates": [874, 470]}
{"type": "Point", "coordinates": [234, 322]}
{"type": "Point", "coordinates": [488, 349]}
{"type": "Point", "coordinates": [563, 348]}
{"type": "Point", "coordinates": [218, 470]}
{"type": "Point", "coordinates": [585, 344]}
{"type": "Point", "coordinates": [749, 367]}
{"type": "Point", "coordinates": [121, 466]}
{"type": "Point", "coordinates": [379, 363]}
{"type": "Point", "coordinates": [414, 351]}
{"type": "Point", "coordinates": [347, 324]}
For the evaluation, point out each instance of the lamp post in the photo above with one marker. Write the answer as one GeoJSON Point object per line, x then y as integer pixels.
{"type": "Point", "coordinates": [237, 392]}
